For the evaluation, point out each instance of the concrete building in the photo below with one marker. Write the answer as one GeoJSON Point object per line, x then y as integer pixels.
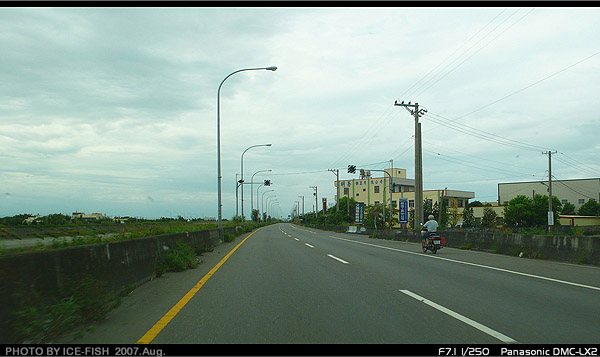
{"type": "Point", "coordinates": [576, 192]}
{"type": "Point", "coordinates": [87, 217]}
{"type": "Point", "coordinates": [375, 190]}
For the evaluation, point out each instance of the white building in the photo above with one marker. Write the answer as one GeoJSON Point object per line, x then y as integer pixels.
{"type": "Point", "coordinates": [576, 192]}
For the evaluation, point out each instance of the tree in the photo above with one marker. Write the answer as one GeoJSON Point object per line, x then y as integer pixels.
{"type": "Point", "coordinates": [468, 217]}
{"type": "Point", "coordinates": [568, 208]}
{"type": "Point", "coordinates": [255, 215]}
{"type": "Point", "coordinates": [411, 218]}
{"type": "Point", "coordinates": [443, 217]}
{"type": "Point", "coordinates": [590, 208]}
{"type": "Point", "coordinates": [56, 219]}
{"type": "Point", "coordinates": [373, 217]}
{"type": "Point", "coordinates": [519, 212]}
{"type": "Point", "coordinates": [489, 217]}
{"type": "Point", "coordinates": [475, 204]}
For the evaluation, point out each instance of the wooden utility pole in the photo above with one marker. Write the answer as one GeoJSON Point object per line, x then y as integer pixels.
{"type": "Point", "coordinates": [336, 172]}
{"type": "Point", "coordinates": [416, 112]}
{"type": "Point", "coordinates": [550, 212]}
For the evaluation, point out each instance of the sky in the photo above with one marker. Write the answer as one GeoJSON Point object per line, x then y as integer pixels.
{"type": "Point", "coordinates": [114, 110]}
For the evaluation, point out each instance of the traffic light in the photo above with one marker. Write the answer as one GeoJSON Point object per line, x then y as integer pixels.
{"type": "Point", "coordinates": [351, 169]}
{"type": "Point", "coordinates": [267, 182]}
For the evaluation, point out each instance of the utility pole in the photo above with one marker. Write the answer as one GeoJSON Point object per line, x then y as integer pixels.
{"type": "Point", "coordinates": [336, 172]}
{"type": "Point", "coordinates": [316, 200]}
{"type": "Point", "coordinates": [550, 212]}
{"type": "Point", "coordinates": [416, 112]}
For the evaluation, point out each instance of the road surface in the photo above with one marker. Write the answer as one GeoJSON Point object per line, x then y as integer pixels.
{"type": "Point", "coordinates": [290, 284]}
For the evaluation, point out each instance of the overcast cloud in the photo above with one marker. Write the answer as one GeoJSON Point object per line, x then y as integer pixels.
{"type": "Point", "coordinates": [113, 110]}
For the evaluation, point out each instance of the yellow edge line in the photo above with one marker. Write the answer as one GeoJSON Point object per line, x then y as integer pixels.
{"type": "Point", "coordinates": [155, 330]}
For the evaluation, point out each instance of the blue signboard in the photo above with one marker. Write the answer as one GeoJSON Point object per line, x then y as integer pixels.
{"type": "Point", "coordinates": [359, 212]}
{"type": "Point", "coordinates": [403, 210]}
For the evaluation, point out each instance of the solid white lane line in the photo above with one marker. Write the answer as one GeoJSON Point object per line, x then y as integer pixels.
{"type": "Point", "coordinates": [474, 264]}
{"type": "Point", "coordinates": [300, 229]}
{"type": "Point", "coordinates": [308, 245]}
{"type": "Point", "coordinates": [462, 318]}
{"type": "Point", "coordinates": [338, 259]}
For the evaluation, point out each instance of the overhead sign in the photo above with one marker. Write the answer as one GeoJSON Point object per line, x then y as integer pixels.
{"type": "Point", "coordinates": [359, 212]}
{"type": "Point", "coordinates": [403, 210]}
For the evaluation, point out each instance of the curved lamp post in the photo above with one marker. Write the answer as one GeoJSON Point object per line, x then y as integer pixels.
{"type": "Point", "coordinates": [252, 191]}
{"type": "Point", "coordinates": [242, 178]}
{"type": "Point", "coordinates": [220, 206]}
{"type": "Point", "coordinates": [262, 202]}
{"type": "Point", "coordinates": [267, 202]}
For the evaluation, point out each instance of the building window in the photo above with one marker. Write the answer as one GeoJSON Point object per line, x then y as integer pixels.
{"type": "Point", "coordinates": [346, 191]}
{"type": "Point", "coordinates": [460, 203]}
{"type": "Point", "coordinates": [364, 189]}
{"type": "Point", "coordinates": [411, 203]}
{"type": "Point", "coordinates": [376, 202]}
{"type": "Point", "coordinates": [357, 194]}
{"type": "Point", "coordinates": [563, 201]}
{"type": "Point", "coordinates": [376, 189]}
{"type": "Point", "coordinates": [581, 200]}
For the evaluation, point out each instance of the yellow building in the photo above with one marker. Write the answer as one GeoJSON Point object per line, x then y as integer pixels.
{"type": "Point", "coordinates": [375, 190]}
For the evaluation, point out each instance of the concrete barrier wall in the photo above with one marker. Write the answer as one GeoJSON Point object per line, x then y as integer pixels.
{"type": "Point", "coordinates": [29, 277]}
{"type": "Point", "coordinates": [575, 249]}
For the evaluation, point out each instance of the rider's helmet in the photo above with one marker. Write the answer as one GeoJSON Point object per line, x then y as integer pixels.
{"type": "Point", "coordinates": [430, 216]}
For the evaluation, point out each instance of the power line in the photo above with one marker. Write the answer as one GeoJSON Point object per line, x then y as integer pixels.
{"type": "Point", "coordinates": [466, 59]}
{"type": "Point", "coordinates": [572, 189]}
{"type": "Point", "coordinates": [452, 124]}
{"type": "Point", "coordinates": [477, 157]}
{"type": "Point", "coordinates": [470, 164]}
{"type": "Point", "coordinates": [591, 169]}
{"type": "Point", "coordinates": [444, 60]}
{"type": "Point", "coordinates": [529, 86]}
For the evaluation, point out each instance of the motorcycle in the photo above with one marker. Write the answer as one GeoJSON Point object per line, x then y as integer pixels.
{"type": "Point", "coordinates": [434, 242]}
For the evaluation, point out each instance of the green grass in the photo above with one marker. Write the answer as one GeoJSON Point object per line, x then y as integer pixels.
{"type": "Point", "coordinates": [44, 321]}
{"type": "Point", "coordinates": [90, 235]}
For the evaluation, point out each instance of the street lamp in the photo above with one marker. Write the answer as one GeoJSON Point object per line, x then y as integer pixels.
{"type": "Point", "coordinates": [267, 207]}
{"type": "Point", "coordinates": [252, 191]}
{"type": "Point", "coordinates": [220, 206]}
{"type": "Point", "coordinates": [271, 205]}
{"type": "Point", "coordinates": [242, 175]}
{"type": "Point", "coordinates": [262, 201]}
{"type": "Point", "coordinates": [302, 208]}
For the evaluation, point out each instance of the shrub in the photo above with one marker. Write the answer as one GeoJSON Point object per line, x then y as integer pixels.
{"type": "Point", "coordinates": [229, 237]}
{"type": "Point", "coordinates": [181, 258]}
{"type": "Point", "coordinates": [87, 301]}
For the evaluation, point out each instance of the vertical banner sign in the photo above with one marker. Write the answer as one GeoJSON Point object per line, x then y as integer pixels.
{"type": "Point", "coordinates": [359, 212]}
{"type": "Point", "coordinates": [324, 205]}
{"type": "Point", "coordinates": [403, 210]}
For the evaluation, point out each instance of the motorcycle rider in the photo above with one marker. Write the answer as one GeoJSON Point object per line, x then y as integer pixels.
{"type": "Point", "coordinates": [431, 227]}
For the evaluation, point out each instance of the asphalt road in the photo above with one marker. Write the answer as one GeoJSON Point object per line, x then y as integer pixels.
{"type": "Point", "coordinates": [290, 284]}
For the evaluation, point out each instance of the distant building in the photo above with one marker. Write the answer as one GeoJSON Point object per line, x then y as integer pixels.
{"type": "Point", "coordinates": [576, 192]}
{"type": "Point", "coordinates": [569, 220]}
{"type": "Point", "coordinates": [375, 190]}
{"type": "Point", "coordinates": [32, 219]}
{"type": "Point", "coordinates": [87, 217]}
